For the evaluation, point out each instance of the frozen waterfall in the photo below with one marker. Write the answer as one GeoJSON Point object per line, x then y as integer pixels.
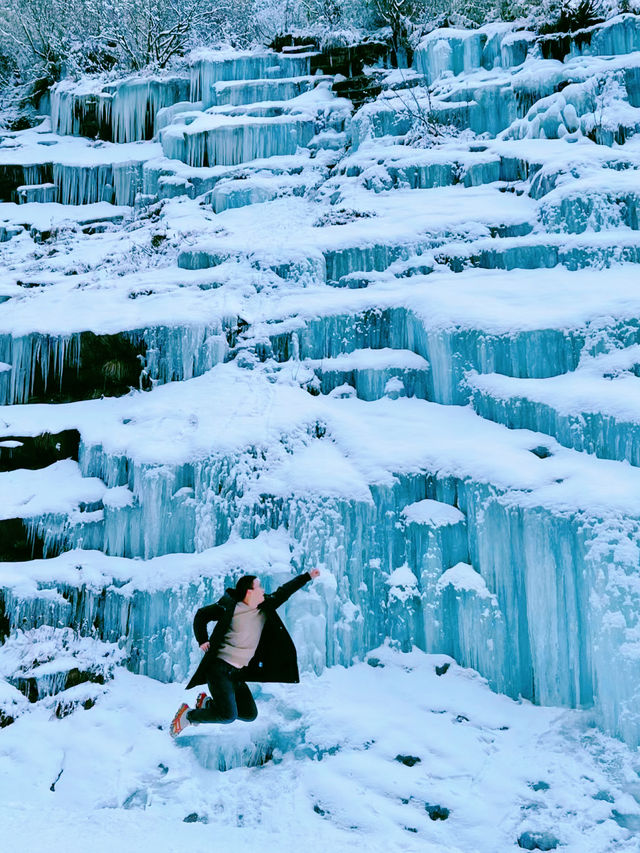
{"type": "Point", "coordinates": [248, 327]}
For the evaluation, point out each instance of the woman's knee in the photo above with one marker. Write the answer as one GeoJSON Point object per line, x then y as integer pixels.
{"type": "Point", "coordinates": [248, 716]}
{"type": "Point", "coordinates": [227, 716]}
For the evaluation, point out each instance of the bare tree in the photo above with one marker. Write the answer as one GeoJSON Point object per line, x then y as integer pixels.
{"type": "Point", "coordinates": [50, 39]}
{"type": "Point", "coordinates": [398, 15]}
{"type": "Point", "coordinates": [152, 32]}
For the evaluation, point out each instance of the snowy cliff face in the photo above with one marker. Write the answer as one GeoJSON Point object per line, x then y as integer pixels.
{"type": "Point", "coordinates": [284, 337]}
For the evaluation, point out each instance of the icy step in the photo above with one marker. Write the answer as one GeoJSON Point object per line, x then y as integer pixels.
{"type": "Point", "coordinates": [456, 51]}
{"type": "Point", "coordinates": [243, 92]}
{"type": "Point", "coordinates": [59, 368]}
{"type": "Point", "coordinates": [233, 193]}
{"type": "Point", "coordinates": [593, 409]}
{"type": "Point", "coordinates": [350, 470]}
{"type": "Point", "coordinates": [491, 102]}
{"type": "Point", "coordinates": [39, 193]}
{"type": "Point", "coordinates": [83, 365]}
{"type": "Point", "coordinates": [82, 171]}
{"type": "Point", "coordinates": [58, 488]}
{"type": "Point", "coordinates": [338, 263]}
{"type": "Point", "coordinates": [44, 220]}
{"type": "Point", "coordinates": [36, 503]}
{"type": "Point", "coordinates": [167, 115]}
{"type": "Point", "coordinates": [608, 200]}
{"type": "Point", "coordinates": [123, 523]}
{"type": "Point", "coordinates": [211, 140]}
{"type": "Point", "coordinates": [15, 174]}
{"type": "Point", "coordinates": [353, 236]}
{"type": "Point", "coordinates": [45, 661]}
{"type": "Point", "coordinates": [450, 352]}
{"type": "Point", "coordinates": [317, 339]}
{"type": "Point", "coordinates": [210, 67]}
{"type": "Point", "coordinates": [487, 104]}
{"type": "Point", "coordinates": [37, 451]}
{"type": "Point", "coordinates": [117, 112]}
{"type": "Point", "coordinates": [570, 171]}
{"type": "Point", "coordinates": [386, 167]}
{"type": "Point", "coordinates": [371, 373]}
{"type": "Point", "coordinates": [231, 135]}
{"type": "Point", "coordinates": [444, 52]}
{"type": "Point", "coordinates": [117, 183]}
{"type": "Point", "coordinates": [145, 606]}
{"type": "Point", "coordinates": [614, 37]}
{"type": "Point", "coordinates": [162, 176]}
{"type": "Point", "coordinates": [525, 325]}
{"type": "Point", "coordinates": [536, 251]}
{"type": "Point", "coordinates": [114, 613]}
{"type": "Point", "coordinates": [343, 265]}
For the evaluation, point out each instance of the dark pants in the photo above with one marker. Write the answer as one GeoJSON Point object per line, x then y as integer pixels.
{"type": "Point", "coordinates": [232, 699]}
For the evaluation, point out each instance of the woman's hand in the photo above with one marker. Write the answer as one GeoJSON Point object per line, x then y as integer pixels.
{"type": "Point", "coordinates": [205, 647]}
{"type": "Point", "coordinates": [314, 573]}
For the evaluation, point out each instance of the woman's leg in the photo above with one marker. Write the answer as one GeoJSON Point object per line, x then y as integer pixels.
{"type": "Point", "coordinates": [222, 708]}
{"type": "Point", "coordinates": [245, 702]}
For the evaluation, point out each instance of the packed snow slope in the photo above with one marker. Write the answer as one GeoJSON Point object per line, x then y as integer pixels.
{"type": "Point", "coordinates": [245, 327]}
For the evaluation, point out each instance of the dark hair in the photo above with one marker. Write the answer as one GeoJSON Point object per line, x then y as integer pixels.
{"type": "Point", "coordinates": [244, 585]}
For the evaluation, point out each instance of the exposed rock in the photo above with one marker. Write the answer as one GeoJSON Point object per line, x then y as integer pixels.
{"type": "Point", "coordinates": [539, 786]}
{"type": "Point", "coordinates": [408, 760]}
{"type": "Point", "coordinates": [537, 841]}
{"type": "Point", "coordinates": [437, 812]}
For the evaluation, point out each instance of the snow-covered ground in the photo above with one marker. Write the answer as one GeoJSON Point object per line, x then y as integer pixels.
{"type": "Point", "coordinates": [384, 755]}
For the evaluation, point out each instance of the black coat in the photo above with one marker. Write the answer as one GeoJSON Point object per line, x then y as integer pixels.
{"type": "Point", "coordinates": [275, 658]}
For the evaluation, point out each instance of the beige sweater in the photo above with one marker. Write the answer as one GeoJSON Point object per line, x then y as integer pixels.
{"type": "Point", "coordinates": [242, 638]}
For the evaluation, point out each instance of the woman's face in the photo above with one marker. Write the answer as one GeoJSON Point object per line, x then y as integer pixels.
{"type": "Point", "coordinates": [255, 595]}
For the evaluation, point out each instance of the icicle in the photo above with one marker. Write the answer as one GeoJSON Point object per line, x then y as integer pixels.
{"type": "Point", "coordinates": [120, 112]}
{"type": "Point", "coordinates": [37, 357]}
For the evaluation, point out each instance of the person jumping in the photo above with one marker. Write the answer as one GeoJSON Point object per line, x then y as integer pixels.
{"type": "Point", "coordinates": [248, 643]}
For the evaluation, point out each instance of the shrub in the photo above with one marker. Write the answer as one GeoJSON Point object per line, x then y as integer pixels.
{"type": "Point", "coordinates": [568, 16]}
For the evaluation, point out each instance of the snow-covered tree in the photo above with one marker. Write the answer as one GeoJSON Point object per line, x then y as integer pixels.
{"type": "Point", "coordinates": [50, 39]}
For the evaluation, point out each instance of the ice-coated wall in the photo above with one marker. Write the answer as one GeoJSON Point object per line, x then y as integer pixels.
{"type": "Point", "coordinates": [538, 600]}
